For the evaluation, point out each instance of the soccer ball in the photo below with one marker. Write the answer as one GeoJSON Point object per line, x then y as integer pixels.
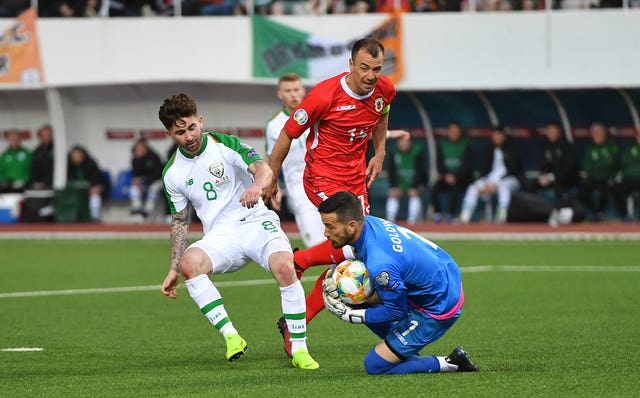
{"type": "Point", "coordinates": [353, 282]}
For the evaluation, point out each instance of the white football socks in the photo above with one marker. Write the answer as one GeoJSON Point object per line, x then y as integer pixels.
{"type": "Point", "coordinates": [209, 300]}
{"type": "Point", "coordinates": [294, 309]}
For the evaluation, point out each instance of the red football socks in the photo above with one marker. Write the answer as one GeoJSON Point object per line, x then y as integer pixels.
{"type": "Point", "coordinates": [315, 302]}
{"type": "Point", "coordinates": [321, 254]}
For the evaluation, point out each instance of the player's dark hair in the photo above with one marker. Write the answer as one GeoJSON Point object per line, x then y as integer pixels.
{"type": "Point", "coordinates": [346, 206]}
{"type": "Point", "coordinates": [369, 45]}
{"type": "Point", "coordinates": [175, 108]}
{"type": "Point", "coordinates": [289, 77]}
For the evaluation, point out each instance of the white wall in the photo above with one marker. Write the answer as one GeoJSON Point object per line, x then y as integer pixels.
{"type": "Point", "coordinates": [563, 49]}
{"type": "Point", "coordinates": [443, 50]}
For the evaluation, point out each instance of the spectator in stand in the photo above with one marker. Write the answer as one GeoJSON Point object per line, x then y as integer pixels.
{"type": "Point", "coordinates": [628, 180]}
{"type": "Point", "coordinates": [600, 166]}
{"type": "Point", "coordinates": [559, 169]}
{"type": "Point", "coordinates": [407, 176]}
{"type": "Point", "coordinates": [15, 165]}
{"type": "Point", "coordinates": [13, 8]}
{"type": "Point", "coordinates": [219, 7]}
{"type": "Point", "coordinates": [146, 182]}
{"type": "Point", "coordinates": [502, 175]}
{"type": "Point", "coordinates": [454, 159]}
{"type": "Point", "coordinates": [83, 173]}
{"type": "Point", "coordinates": [42, 160]}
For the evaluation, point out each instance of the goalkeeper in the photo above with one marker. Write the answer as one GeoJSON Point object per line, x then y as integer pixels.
{"type": "Point", "coordinates": [418, 282]}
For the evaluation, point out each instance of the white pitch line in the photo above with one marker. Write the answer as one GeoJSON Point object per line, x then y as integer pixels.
{"type": "Point", "coordinates": [255, 282]}
{"type": "Point", "coordinates": [22, 349]}
{"type": "Point", "coordinates": [69, 292]}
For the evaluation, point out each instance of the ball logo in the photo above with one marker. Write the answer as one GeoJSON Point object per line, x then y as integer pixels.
{"type": "Point", "coordinates": [301, 116]}
{"type": "Point", "coordinates": [378, 104]}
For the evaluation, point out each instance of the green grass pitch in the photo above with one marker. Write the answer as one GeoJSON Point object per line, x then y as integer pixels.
{"type": "Point", "coordinates": [563, 322]}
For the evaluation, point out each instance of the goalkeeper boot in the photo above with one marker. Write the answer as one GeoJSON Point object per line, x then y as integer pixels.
{"type": "Point", "coordinates": [302, 359]}
{"type": "Point", "coordinates": [460, 358]}
{"type": "Point", "coordinates": [236, 347]}
{"type": "Point", "coordinates": [284, 331]}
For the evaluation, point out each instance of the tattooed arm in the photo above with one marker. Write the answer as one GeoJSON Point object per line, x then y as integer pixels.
{"type": "Point", "coordinates": [179, 243]}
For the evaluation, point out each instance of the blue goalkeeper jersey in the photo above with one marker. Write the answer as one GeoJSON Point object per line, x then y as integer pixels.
{"type": "Point", "coordinates": [408, 270]}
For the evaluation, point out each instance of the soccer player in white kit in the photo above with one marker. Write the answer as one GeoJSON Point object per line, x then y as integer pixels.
{"type": "Point", "coordinates": [291, 92]}
{"type": "Point", "coordinates": [223, 179]}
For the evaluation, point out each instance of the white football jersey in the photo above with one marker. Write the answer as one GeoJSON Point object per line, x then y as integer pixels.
{"type": "Point", "coordinates": [212, 181]}
{"type": "Point", "coordinates": [293, 165]}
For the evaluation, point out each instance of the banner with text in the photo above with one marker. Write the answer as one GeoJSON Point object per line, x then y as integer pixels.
{"type": "Point", "coordinates": [20, 51]}
{"type": "Point", "coordinates": [279, 49]}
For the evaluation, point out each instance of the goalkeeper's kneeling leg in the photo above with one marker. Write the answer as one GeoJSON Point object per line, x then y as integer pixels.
{"type": "Point", "coordinates": [374, 364]}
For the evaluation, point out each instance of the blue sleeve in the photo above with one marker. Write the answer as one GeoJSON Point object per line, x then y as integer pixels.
{"type": "Point", "coordinates": [393, 292]}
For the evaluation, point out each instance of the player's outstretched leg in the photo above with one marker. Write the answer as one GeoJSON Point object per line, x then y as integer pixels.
{"type": "Point", "coordinates": [321, 254]}
{"type": "Point", "coordinates": [209, 300]}
{"type": "Point", "coordinates": [457, 361]}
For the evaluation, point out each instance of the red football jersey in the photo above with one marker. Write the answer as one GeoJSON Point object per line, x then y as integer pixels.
{"type": "Point", "coordinates": [340, 123]}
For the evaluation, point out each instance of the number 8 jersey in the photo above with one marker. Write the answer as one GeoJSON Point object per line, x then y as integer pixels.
{"type": "Point", "coordinates": [212, 181]}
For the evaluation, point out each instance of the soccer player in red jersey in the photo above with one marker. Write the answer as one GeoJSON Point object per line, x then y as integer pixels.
{"type": "Point", "coordinates": [341, 112]}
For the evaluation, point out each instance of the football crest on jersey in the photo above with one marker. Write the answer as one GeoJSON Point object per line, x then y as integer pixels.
{"type": "Point", "coordinates": [300, 116]}
{"type": "Point", "coordinates": [378, 104]}
{"type": "Point", "coordinates": [217, 170]}
{"type": "Point", "coordinates": [382, 279]}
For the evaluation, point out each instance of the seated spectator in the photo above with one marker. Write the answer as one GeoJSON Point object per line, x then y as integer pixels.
{"type": "Point", "coordinates": [454, 158]}
{"type": "Point", "coordinates": [146, 183]}
{"type": "Point", "coordinates": [628, 180]}
{"type": "Point", "coordinates": [502, 175]}
{"type": "Point", "coordinates": [42, 160]}
{"type": "Point", "coordinates": [83, 173]}
{"type": "Point", "coordinates": [558, 166]}
{"type": "Point", "coordinates": [407, 175]}
{"type": "Point", "coordinates": [15, 165]}
{"type": "Point", "coordinates": [600, 165]}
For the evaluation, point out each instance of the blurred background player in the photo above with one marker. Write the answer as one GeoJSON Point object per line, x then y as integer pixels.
{"type": "Point", "coordinates": [454, 160]}
{"type": "Point", "coordinates": [291, 92]}
{"type": "Point", "coordinates": [223, 179]}
{"type": "Point", "coordinates": [341, 112]}
{"type": "Point", "coordinates": [15, 165]}
{"type": "Point", "coordinates": [407, 176]}
{"type": "Point", "coordinates": [146, 181]}
{"type": "Point", "coordinates": [502, 174]}
{"type": "Point", "coordinates": [419, 284]}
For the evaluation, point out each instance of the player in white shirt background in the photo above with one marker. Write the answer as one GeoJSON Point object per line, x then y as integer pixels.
{"type": "Point", "coordinates": [223, 179]}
